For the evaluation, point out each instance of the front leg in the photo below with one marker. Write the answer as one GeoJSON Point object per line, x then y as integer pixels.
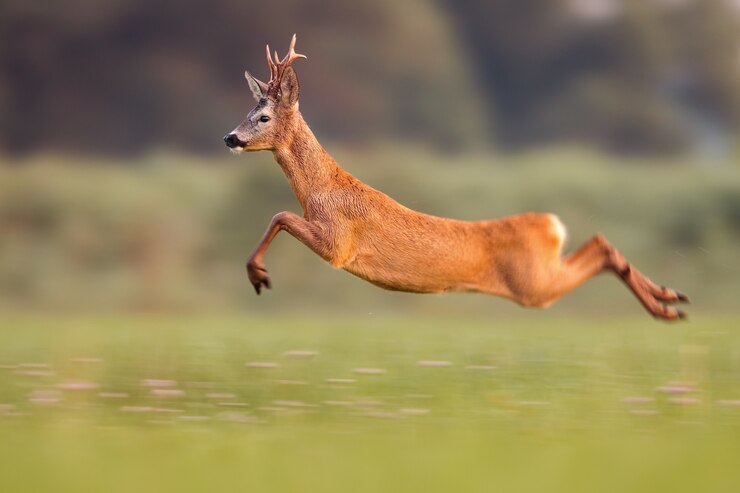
{"type": "Point", "coordinates": [308, 233]}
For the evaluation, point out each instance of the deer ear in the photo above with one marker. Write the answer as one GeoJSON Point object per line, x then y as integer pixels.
{"type": "Point", "coordinates": [289, 88]}
{"type": "Point", "coordinates": [257, 87]}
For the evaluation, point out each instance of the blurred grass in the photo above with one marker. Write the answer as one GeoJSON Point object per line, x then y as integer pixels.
{"type": "Point", "coordinates": [170, 232]}
{"type": "Point", "coordinates": [605, 404]}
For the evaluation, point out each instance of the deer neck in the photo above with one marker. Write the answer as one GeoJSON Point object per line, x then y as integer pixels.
{"type": "Point", "coordinates": [308, 167]}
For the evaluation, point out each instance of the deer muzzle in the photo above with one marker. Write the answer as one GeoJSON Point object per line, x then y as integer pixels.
{"type": "Point", "coordinates": [233, 141]}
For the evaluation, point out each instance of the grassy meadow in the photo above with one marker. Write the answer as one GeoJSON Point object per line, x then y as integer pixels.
{"type": "Point", "coordinates": [397, 404]}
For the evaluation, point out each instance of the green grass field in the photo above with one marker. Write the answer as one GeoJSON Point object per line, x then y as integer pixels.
{"type": "Point", "coordinates": [147, 403]}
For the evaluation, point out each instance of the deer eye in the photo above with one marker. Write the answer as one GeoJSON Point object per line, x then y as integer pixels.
{"type": "Point", "coordinates": [264, 118]}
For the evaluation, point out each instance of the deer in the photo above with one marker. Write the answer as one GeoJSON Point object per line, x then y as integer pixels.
{"type": "Point", "coordinates": [363, 231]}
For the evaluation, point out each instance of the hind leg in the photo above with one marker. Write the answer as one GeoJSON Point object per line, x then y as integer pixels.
{"type": "Point", "coordinates": [597, 256]}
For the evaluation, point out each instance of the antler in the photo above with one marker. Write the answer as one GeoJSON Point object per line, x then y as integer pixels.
{"type": "Point", "coordinates": [278, 67]}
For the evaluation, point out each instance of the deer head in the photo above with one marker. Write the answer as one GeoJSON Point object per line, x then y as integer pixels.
{"type": "Point", "coordinates": [277, 105]}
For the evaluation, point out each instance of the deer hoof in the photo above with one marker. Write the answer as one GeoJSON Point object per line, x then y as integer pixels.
{"type": "Point", "coordinates": [668, 313]}
{"type": "Point", "coordinates": [672, 314]}
{"type": "Point", "coordinates": [668, 295]}
{"type": "Point", "coordinates": [262, 282]}
{"type": "Point", "coordinates": [258, 277]}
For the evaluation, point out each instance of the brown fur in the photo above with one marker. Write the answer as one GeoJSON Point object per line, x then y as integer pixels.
{"type": "Point", "coordinates": [363, 231]}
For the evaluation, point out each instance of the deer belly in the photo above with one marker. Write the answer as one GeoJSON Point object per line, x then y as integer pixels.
{"type": "Point", "coordinates": [415, 270]}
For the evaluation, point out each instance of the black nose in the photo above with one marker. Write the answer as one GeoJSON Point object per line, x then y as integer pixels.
{"type": "Point", "coordinates": [232, 140]}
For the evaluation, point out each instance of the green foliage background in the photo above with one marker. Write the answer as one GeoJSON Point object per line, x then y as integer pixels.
{"type": "Point", "coordinates": [171, 232]}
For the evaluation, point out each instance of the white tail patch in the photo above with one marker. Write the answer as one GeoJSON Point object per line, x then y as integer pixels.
{"type": "Point", "coordinates": [558, 229]}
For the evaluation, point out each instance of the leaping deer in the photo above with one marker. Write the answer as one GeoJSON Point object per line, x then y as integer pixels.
{"type": "Point", "coordinates": [365, 232]}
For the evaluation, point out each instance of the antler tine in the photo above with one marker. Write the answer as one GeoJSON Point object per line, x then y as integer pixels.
{"type": "Point", "coordinates": [292, 55]}
{"type": "Point", "coordinates": [270, 63]}
{"type": "Point", "coordinates": [269, 58]}
{"type": "Point", "coordinates": [292, 43]}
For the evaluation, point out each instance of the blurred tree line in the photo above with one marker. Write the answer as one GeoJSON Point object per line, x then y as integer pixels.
{"type": "Point", "coordinates": [123, 76]}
